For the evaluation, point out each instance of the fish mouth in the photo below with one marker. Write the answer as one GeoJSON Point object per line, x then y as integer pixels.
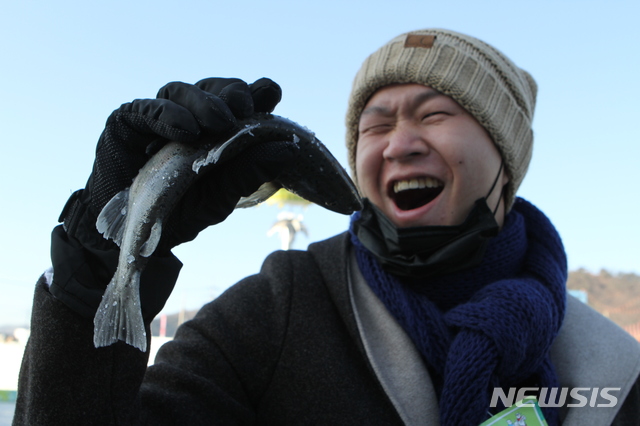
{"type": "Point", "coordinates": [412, 193]}
{"type": "Point", "coordinates": [316, 175]}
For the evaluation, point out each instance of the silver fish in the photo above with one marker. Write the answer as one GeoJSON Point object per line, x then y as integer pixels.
{"type": "Point", "coordinates": [134, 217]}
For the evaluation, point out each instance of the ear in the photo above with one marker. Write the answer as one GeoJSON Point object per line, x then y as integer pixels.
{"type": "Point", "coordinates": [505, 177]}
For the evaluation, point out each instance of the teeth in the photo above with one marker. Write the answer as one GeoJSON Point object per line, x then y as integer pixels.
{"type": "Point", "coordinates": [416, 183]}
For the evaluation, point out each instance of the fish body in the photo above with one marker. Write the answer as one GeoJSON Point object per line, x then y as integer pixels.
{"type": "Point", "coordinates": [134, 217]}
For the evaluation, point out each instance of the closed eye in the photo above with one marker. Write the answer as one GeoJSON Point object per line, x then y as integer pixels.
{"type": "Point", "coordinates": [434, 114]}
{"type": "Point", "coordinates": [376, 129]}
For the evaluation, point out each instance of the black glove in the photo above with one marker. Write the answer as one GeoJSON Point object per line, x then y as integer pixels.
{"type": "Point", "coordinates": [185, 113]}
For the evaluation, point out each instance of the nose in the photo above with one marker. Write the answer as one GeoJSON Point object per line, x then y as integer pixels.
{"type": "Point", "coordinates": [405, 141]}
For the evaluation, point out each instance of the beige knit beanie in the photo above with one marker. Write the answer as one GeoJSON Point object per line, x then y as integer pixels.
{"type": "Point", "coordinates": [486, 83]}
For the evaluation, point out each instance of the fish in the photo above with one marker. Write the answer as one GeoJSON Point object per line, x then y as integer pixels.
{"type": "Point", "coordinates": [134, 217]}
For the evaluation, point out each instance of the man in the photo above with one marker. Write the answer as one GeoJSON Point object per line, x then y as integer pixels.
{"type": "Point", "coordinates": [446, 288]}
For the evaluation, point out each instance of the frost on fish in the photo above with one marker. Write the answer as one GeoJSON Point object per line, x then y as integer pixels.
{"type": "Point", "coordinates": [119, 316]}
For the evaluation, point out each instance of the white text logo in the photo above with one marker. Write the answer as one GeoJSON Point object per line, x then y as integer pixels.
{"type": "Point", "coordinates": [550, 397]}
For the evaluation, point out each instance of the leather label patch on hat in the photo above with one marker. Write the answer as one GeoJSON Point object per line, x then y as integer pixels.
{"type": "Point", "coordinates": [419, 40]}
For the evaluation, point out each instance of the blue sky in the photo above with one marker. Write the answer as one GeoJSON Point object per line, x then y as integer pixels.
{"type": "Point", "coordinates": [67, 64]}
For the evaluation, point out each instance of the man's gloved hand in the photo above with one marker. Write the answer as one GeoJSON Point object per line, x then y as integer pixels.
{"type": "Point", "coordinates": [186, 113]}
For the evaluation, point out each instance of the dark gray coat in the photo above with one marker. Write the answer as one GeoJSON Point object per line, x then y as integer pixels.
{"type": "Point", "coordinates": [280, 347]}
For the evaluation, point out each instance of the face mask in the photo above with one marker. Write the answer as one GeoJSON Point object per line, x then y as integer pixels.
{"type": "Point", "coordinates": [425, 251]}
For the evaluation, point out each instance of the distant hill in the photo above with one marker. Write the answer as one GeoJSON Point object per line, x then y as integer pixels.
{"type": "Point", "coordinates": [616, 296]}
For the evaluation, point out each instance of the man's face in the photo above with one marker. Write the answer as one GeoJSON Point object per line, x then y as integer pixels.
{"type": "Point", "coordinates": [422, 159]}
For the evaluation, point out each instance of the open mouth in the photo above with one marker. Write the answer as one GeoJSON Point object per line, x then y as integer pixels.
{"type": "Point", "coordinates": [413, 193]}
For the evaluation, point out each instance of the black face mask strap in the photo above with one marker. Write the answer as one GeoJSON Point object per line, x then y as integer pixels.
{"type": "Point", "coordinates": [494, 185]}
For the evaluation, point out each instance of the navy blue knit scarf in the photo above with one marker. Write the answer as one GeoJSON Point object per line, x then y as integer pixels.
{"type": "Point", "coordinates": [489, 326]}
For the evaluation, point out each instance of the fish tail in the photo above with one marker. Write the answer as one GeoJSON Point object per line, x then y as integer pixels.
{"type": "Point", "coordinates": [119, 316]}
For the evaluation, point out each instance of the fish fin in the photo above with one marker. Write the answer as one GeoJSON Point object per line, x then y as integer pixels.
{"type": "Point", "coordinates": [111, 219]}
{"type": "Point", "coordinates": [151, 244]}
{"type": "Point", "coordinates": [216, 153]}
{"type": "Point", "coordinates": [265, 191]}
{"type": "Point", "coordinates": [119, 316]}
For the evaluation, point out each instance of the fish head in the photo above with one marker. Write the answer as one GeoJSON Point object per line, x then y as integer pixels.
{"type": "Point", "coordinates": [318, 177]}
{"type": "Point", "coordinates": [314, 175]}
